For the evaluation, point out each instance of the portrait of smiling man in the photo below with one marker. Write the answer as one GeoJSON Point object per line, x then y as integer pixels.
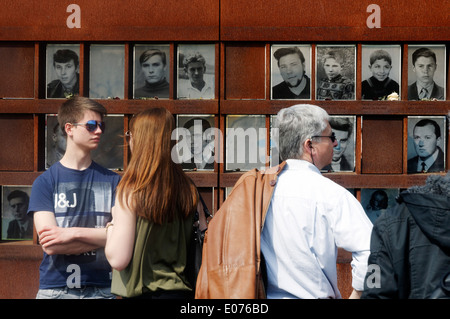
{"type": "Point", "coordinates": [427, 136]}
{"type": "Point", "coordinates": [62, 71]}
{"type": "Point", "coordinates": [196, 71]}
{"type": "Point", "coordinates": [291, 66]}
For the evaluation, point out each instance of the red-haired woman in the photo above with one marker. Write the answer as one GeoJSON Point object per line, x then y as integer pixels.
{"type": "Point", "coordinates": [149, 238]}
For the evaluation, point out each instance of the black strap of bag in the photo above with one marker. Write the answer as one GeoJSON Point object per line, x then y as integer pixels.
{"type": "Point", "coordinates": [195, 253]}
{"type": "Point", "coordinates": [199, 228]}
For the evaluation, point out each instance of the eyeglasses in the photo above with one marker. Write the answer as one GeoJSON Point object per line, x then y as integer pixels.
{"type": "Point", "coordinates": [128, 136]}
{"type": "Point", "coordinates": [92, 125]}
{"type": "Point", "coordinates": [332, 137]}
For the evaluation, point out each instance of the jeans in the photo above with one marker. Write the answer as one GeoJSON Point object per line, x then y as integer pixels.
{"type": "Point", "coordinates": [87, 292]}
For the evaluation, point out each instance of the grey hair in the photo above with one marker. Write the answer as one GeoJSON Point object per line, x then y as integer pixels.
{"type": "Point", "coordinates": [295, 125]}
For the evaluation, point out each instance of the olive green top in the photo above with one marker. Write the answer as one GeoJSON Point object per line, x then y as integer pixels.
{"type": "Point", "coordinates": [158, 261]}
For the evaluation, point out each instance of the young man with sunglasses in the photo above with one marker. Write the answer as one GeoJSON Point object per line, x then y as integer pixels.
{"type": "Point", "coordinates": [310, 216]}
{"type": "Point", "coordinates": [71, 203]}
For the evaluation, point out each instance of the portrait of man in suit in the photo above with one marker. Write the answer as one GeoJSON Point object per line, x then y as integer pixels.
{"type": "Point", "coordinates": [16, 224]}
{"type": "Point", "coordinates": [427, 138]}
{"type": "Point", "coordinates": [427, 67]}
{"type": "Point", "coordinates": [344, 152]}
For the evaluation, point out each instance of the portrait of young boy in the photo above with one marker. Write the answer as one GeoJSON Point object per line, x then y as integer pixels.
{"type": "Point", "coordinates": [380, 69]}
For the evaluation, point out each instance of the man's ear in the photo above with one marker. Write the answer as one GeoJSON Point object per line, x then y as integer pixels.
{"type": "Point", "coordinates": [68, 128]}
{"type": "Point", "coordinates": [307, 146]}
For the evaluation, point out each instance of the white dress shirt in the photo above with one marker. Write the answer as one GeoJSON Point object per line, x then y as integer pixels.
{"type": "Point", "coordinates": [187, 91]}
{"type": "Point", "coordinates": [308, 218]}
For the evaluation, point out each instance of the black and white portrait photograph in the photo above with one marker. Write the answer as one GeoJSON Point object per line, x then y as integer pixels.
{"type": "Point", "coordinates": [245, 142]}
{"type": "Point", "coordinates": [335, 72]}
{"type": "Point", "coordinates": [291, 72]}
{"type": "Point", "coordinates": [426, 72]}
{"type": "Point", "coordinates": [344, 128]}
{"type": "Point", "coordinates": [110, 150]}
{"type": "Point", "coordinates": [426, 144]}
{"type": "Point", "coordinates": [16, 224]}
{"type": "Point", "coordinates": [197, 150]}
{"type": "Point", "coordinates": [107, 71]}
{"type": "Point", "coordinates": [196, 71]}
{"type": "Point", "coordinates": [62, 70]}
{"type": "Point", "coordinates": [380, 71]}
{"type": "Point", "coordinates": [151, 71]}
{"type": "Point", "coordinates": [376, 201]}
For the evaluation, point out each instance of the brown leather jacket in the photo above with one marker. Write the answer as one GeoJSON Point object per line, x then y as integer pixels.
{"type": "Point", "coordinates": [231, 249]}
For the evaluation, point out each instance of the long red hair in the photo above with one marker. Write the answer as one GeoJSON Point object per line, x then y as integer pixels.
{"type": "Point", "coordinates": [153, 186]}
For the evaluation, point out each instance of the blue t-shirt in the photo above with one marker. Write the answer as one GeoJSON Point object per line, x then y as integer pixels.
{"type": "Point", "coordinates": [78, 199]}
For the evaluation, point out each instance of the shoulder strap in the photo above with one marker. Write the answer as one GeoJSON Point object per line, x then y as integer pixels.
{"type": "Point", "coordinates": [205, 208]}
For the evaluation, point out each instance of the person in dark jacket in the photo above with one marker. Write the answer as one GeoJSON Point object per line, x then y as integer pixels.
{"type": "Point", "coordinates": [410, 244]}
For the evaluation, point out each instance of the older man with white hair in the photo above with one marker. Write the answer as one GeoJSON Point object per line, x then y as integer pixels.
{"type": "Point", "coordinates": [310, 216]}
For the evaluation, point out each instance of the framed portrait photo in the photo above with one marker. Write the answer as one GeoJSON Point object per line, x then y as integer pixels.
{"type": "Point", "coordinates": [427, 72]}
{"type": "Point", "coordinates": [107, 71]}
{"type": "Point", "coordinates": [16, 224]}
{"type": "Point", "coordinates": [344, 128]}
{"type": "Point", "coordinates": [109, 152]}
{"type": "Point", "coordinates": [290, 67]}
{"type": "Point", "coordinates": [62, 70]}
{"type": "Point", "coordinates": [151, 71]}
{"type": "Point", "coordinates": [196, 142]}
{"type": "Point", "coordinates": [335, 72]}
{"type": "Point", "coordinates": [376, 201]}
{"type": "Point", "coordinates": [245, 142]}
{"type": "Point", "coordinates": [196, 71]}
{"type": "Point", "coordinates": [426, 144]}
{"type": "Point", "coordinates": [380, 71]}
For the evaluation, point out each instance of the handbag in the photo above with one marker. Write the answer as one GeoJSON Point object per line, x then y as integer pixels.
{"type": "Point", "coordinates": [198, 235]}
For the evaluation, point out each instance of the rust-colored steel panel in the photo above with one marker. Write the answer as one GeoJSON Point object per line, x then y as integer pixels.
{"type": "Point", "coordinates": [334, 20]}
{"type": "Point", "coordinates": [382, 145]}
{"type": "Point", "coordinates": [17, 144]}
{"type": "Point", "coordinates": [114, 20]}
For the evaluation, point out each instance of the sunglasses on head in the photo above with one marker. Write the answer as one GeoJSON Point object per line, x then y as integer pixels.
{"type": "Point", "coordinates": [91, 125]}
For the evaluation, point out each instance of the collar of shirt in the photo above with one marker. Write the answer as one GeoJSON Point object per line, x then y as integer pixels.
{"type": "Point", "coordinates": [429, 88]}
{"type": "Point", "coordinates": [296, 164]}
{"type": "Point", "coordinates": [429, 161]}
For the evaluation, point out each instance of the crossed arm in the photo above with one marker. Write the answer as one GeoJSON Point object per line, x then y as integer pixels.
{"type": "Point", "coordinates": [72, 240]}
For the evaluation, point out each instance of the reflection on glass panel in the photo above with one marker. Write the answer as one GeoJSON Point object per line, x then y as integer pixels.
{"type": "Point", "coordinates": [376, 201]}
{"type": "Point", "coordinates": [245, 142]}
{"type": "Point", "coordinates": [107, 71]}
{"type": "Point", "coordinates": [196, 139]}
